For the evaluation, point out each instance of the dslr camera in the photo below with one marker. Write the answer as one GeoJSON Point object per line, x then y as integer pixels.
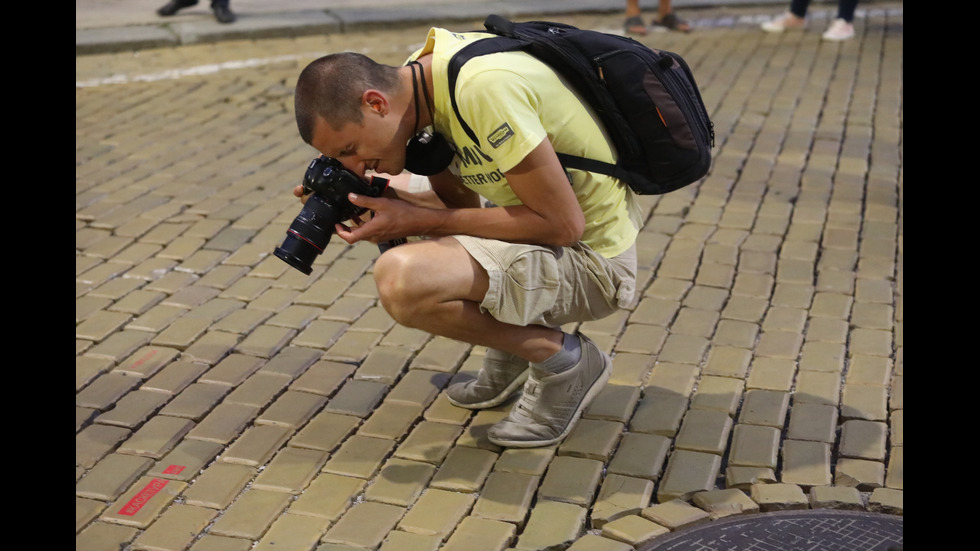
{"type": "Point", "coordinates": [329, 182]}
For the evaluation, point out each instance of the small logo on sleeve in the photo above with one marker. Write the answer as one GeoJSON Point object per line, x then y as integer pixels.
{"type": "Point", "coordinates": [500, 135]}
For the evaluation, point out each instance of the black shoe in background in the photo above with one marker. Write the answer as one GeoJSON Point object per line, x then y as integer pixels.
{"type": "Point", "coordinates": [173, 5]}
{"type": "Point", "coordinates": [222, 13]}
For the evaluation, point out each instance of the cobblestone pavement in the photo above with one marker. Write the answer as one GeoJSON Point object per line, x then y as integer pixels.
{"type": "Point", "coordinates": [224, 401]}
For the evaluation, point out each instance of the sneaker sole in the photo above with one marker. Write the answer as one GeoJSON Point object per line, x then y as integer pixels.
{"type": "Point", "coordinates": [504, 395]}
{"type": "Point", "coordinates": [596, 387]}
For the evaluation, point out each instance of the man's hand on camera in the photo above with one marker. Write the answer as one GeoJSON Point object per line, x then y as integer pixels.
{"type": "Point", "coordinates": [298, 192]}
{"type": "Point", "coordinates": [383, 221]}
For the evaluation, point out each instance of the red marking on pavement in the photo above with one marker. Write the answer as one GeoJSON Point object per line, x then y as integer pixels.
{"type": "Point", "coordinates": [174, 469]}
{"type": "Point", "coordinates": [144, 495]}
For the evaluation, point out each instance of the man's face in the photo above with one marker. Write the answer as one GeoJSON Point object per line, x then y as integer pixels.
{"type": "Point", "coordinates": [369, 145]}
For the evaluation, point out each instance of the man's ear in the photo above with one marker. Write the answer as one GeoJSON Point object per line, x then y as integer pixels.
{"type": "Point", "coordinates": [375, 101]}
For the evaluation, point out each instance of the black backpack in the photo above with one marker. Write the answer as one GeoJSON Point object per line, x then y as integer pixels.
{"type": "Point", "coordinates": [647, 99]}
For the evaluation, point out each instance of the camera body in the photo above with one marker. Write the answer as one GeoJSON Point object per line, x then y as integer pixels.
{"type": "Point", "coordinates": [328, 205]}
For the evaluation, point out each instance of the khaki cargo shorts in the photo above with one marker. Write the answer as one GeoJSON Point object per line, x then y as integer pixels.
{"type": "Point", "coordinates": [536, 285]}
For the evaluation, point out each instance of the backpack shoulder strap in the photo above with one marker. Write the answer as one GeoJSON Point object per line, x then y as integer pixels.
{"type": "Point", "coordinates": [492, 45]}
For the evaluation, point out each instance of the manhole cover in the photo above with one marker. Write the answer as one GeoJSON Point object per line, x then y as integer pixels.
{"type": "Point", "coordinates": [811, 530]}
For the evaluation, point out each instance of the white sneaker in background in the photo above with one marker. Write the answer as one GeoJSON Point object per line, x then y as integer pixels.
{"type": "Point", "coordinates": [782, 22]}
{"type": "Point", "coordinates": [839, 30]}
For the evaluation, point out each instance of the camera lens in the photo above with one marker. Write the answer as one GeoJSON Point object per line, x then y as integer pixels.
{"type": "Point", "coordinates": [309, 234]}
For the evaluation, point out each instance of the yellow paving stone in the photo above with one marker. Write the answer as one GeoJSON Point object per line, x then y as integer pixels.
{"type": "Point", "coordinates": [895, 477]}
{"type": "Point", "coordinates": [815, 422]}
{"type": "Point", "coordinates": [715, 274]}
{"type": "Point", "coordinates": [835, 497]}
{"type": "Point", "coordinates": [157, 437]}
{"type": "Point", "coordinates": [353, 346]}
{"type": "Point", "coordinates": [251, 514]}
{"type": "Point", "coordinates": [764, 407]}
{"type": "Point", "coordinates": [745, 308]}
{"type": "Point", "coordinates": [100, 536]}
{"type": "Point", "coordinates": [872, 342]}
{"type": "Point", "coordinates": [822, 356]}
{"type": "Point", "coordinates": [754, 446]}
{"type": "Point", "coordinates": [831, 305]}
{"type": "Point", "coordinates": [688, 472]}
{"type": "Point", "coordinates": [441, 354]}
{"type": "Point", "coordinates": [147, 361]}
{"type": "Point", "coordinates": [718, 393]}
{"type": "Point", "coordinates": [675, 514]}
{"type": "Point", "coordinates": [257, 445]}
{"type": "Point", "coordinates": [869, 370]}
{"type": "Point", "coordinates": [571, 480]}
{"type": "Point", "coordinates": [175, 377]}
{"type": "Point", "coordinates": [705, 431]}
{"type": "Point", "coordinates": [259, 390]}
{"type": "Point", "coordinates": [771, 374]}
{"type": "Point", "coordinates": [633, 529]}
{"type": "Point", "coordinates": [195, 401]}
{"type": "Point", "coordinates": [384, 364]}
{"type": "Point", "coordinates": [291, 470]}
{"type": "Point", "coordinates": [133, 409]}
{"type": "Point", "coordinates": [392, 420]}
{"type": "Point", "coordinates": [265, 341]}
{"type": "Point", "coordinates": [695, 321]}
{"type": "Point", "coordinates": [866, 402]}
{"type": "Point", "coordinates": [212, 347]}
{"type": "Point", "coordinates": [291, 362]}
{"type": "Point", "coordinates": [862, 474]}
{"type": "Point", "coordinates": [86, 510]}
{"type": "Point", "coordinates": [143, 503]}
{"type": "Point", "coordinates": [826, 330]}
{"type": "Point", "coordinates": [218, 485]}
{"type": "Point", "coordinates": [640, 455]}
{"type": "Point", "coordinates": [293, 532]}
{"type": "Point", "coordinates": [675, 378]}
{"type": "Point", "coordinates": [232, 370]}
{"type": "Point", "coordinates": [480, 533]}
{"type": "Point", "coordinates": [418, 386]}
{"type": "Point", "coordinates": [506, 496]}
{"type": "Point", "coordinates": [429, 442]}
{"type": "Point", "coordinates": [619, 496]}
{"type": "Point", "coordinates": [724, 503]}
{"type": "Point", "coordinates": [552, 524]}
{"type": "Point", "coordinates": [176, 528]}
{"type": "Point", "coordinates": [614, 403]}
{"type": "Point", "coordinates": [441, 410]}
{"type": "Point", "coordinates": [805, 463]}
{"type": "Point", "coordinates": [364, 525]}
{"type": "Point", "coordinates": [683, 349]}
{"type": "Point", "coordinates": [630, 369]}
{"type": "Point", "coordinates": [592, 439]}
{"type": "Point", "coordinates": [702, 297]}
{"type": "Point", "coordinates": [291, 409]}
{"type": "Point", "coordinates": [531, 461]}
{"type": "Point", "coordinates": [753, 284]}
{"type": "Point", "coordinates": [400, 482]}
{"type": "Point", "coordinates": [817, 387]}
{"type": "Point", "coordinates": [641, 339]}
{"type": "Point", "coordinates": [324, 378]}
{"type": "Point", "coordinates": [242, 321]}
{"type": "Point", "coordinates": [186, 459]}
{"type": "Point", "coordinates": [105, 390]}
{"type": "Point", "coordinates": [359, 456]}
{"type": "Point", "coordinates": [779, 344]}
{"type": "Point", "coordinates": [111, 476]}
{"type": "Point", "coordinates": [792, 295]}
{"type": "Point", "coordinates": [863, 439]}
{"type": "Point", "coordinates": [727, 361]}
{"type": "Point", "coordinates": [87, 369]}
{"type": "Point", "coordinates": [357, 398]}
{"type": "Point", "coordinates": [224, 423]}
{"type": "Point", "coordinates": [437, 513]}
{"type": "Point", "coordinates": [321, 333]}
{"type": "Point", "coordinates": [101, 324]}
{"type": "Point", "coordinates": [325, 431]}
{"type": "Point", "coordinates": [328, 496]}
{"type": "Point", "coordinates": [659, 413]}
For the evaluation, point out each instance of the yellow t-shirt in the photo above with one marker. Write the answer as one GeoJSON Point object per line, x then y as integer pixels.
{"type": "Point", "coordinates": [512, 102]}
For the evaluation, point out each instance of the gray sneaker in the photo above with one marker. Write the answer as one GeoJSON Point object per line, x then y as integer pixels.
{"type": "Point", "coordinates": [552, 403]}
{"type": "Point", "coordinates": [500, 377]}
